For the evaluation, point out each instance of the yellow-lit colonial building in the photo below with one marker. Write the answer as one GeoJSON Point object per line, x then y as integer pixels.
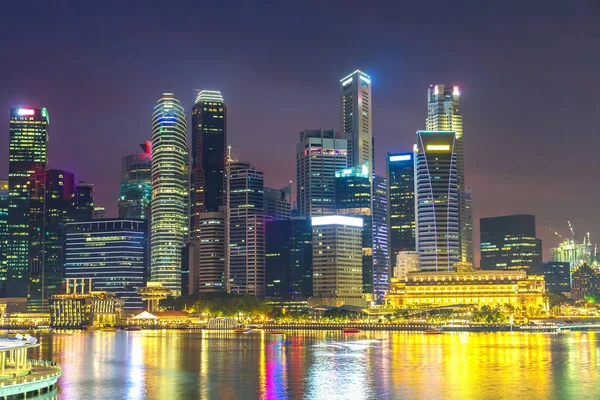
{"type": "Point", "coordinates": [480, 288]}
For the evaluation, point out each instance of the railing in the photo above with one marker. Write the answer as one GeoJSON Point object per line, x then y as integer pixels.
{"type": "Point", "coordinates": [34, 376]}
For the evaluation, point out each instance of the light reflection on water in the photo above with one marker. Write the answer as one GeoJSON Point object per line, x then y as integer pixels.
{"type": "Point", "coordinates": [324, 365]}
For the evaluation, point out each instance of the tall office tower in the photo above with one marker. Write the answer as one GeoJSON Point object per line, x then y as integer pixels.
{"type": "Point", "coordinates": [169, 207]}
{"type": "Point", "coordinates": [46, 281]}
{"type": "Point", "coordinates": [585, 281]}
{"type": "Point", "coordinates": [84, 202]}
{"type": "Point", "coordinates": [401, 205]}
{"type": "Point", "coordinates": [356, 117]}
{"type": "Point", "coordinates": [289, 259]}
{"type": "Point", "coordinates": [381, 271]}
{"type": "Point", "coordinates": [110, 252]}
{"type": "Point", "coordinates": [353, 198]}
{"type": "Point", "coordinates": [558, 276]}
{"type": "Point", "coordinates": [26, 181]}
{"type": "Point", "coordinates": [437, 203]}
{"type": "Point", "coordinates": [319, 154]}
{"type": "Point", "coordinates": [209, 270]}
{"type": "Point", "coordinates": [3, 233]}
{"type": "Point", "coordinates": [135, 191]}
{"type": "Point", "coordinates": [509, 242]}
{"type": "Point", "coordinates": [209, 154]}
{"type": "Point", "coordinates": [337, 261]}
{"type": "Point", "coordinates": [443, 114]}
{"type": "Point", "coordinates": [278, 203]}
{"type": "Point", "coordinates": [245, 248]}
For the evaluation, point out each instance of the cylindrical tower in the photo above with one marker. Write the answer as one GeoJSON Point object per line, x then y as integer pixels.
{"type": "Point", "coordinates": [169, 192]}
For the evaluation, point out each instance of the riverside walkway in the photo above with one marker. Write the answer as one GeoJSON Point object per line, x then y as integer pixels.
{"type": "Point", "coordinates": [20, 375]}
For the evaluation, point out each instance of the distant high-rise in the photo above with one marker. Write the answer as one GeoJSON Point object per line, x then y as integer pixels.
{"type": "Point", "coordinates": [289, 259]}
{"type": "Point", "coordinates": [277, 203]}
{"type": "Point", "coordinates": [509, 242]}
{"type": "Point", "coordinates": [245, 249]}
{"type": "Point", "coordinates": [557, 276]}
{"type": "Point", "coordinates": [110, 252]}
{"type": "Point", "coordinates": [84, 202]}
{"type": "Point", "coordinates": [135, 191]}
{"type": "Point", "coordinates": [169, 221]}
{"type": "Point", "coordinates": [401, 204]}
{"type": "Point", "coordinates": [437, 204]}
{"type": "Point", "coordinates": [585, 281]}
{"type": "Point", "coordinates": [209, 154]}
{"type": "Point", "coordinates": [443, 114]}
{"type": "Point", "coordinates": [381, 269]}
{"type": "Point", "coordinates": [47, 280]}
{"type": "Point", "coordinates": [3, 233]}
{"type": "Point", "coordinates": [357, 118]}
{"type": "Point", "coordinates": [26, 180]}
{"type": "Point", "coordinates": [319, 154]}
{"type": "Point", "coordinates": [99, 212]}
{"type": "Point", "coordinates": [209, 270]}
{"type": "Point", "coordinates": [337, 261]}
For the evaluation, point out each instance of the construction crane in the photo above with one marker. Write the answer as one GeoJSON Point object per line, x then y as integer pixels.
{"type": "Point", "coordinates": [556, 233]}
{"type": "Point", "coordinates": [571, 229]}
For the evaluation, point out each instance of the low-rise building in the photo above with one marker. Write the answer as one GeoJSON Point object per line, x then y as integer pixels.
{"type": "Point", "coordinates": [480, 288]}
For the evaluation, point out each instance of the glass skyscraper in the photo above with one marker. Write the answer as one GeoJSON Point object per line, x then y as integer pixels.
{"type": "Point", "coordinates": [110, 252]}
{"type": "Point", "coordinates": [437, 204]}
{"type": "Point", "coordinates": [443, 114]}
{"type": "Point", "coordinates": [356, 117]}
{"type": "Point", "coordinates": [135, 191]}
{"type": "Point", "coordinates": [209, 154]}
{"type": "Point", "coordinates": [245, 229]}
{"type": "Point", "coordinates": [84, 202]}
{"type": "Point", "coordinates": [509, 242]}
{"type": "Point", "coordinates": [401, 204]}
{"type": "Point", "coordinates": [169, 221]}
{"type": "Point", "coordinates": [381, 269]}
{"type": "Point", "coordinates": [26, 180]}
{"type": "Point", "coordinates": [3, 233]}
{"type": "Point", "coordinates": [319, 154]}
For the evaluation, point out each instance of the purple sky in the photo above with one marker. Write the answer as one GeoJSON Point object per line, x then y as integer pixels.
{"type": "Point", "coordinates": [528, 71]}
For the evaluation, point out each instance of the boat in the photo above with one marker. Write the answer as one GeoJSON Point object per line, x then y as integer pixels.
{"type": "Point", "coordinates": [435, 331]}
{"type": "Point", "coordinates": [350, 330]}
{"type": "Point", "coordinates": [108, 329]}
{"type": "Point", "coordinates": [275, 333]}
{"type": "Point", "coordinates": [242, 330]}
{"type": "Point", "coordinates": [133, 328]}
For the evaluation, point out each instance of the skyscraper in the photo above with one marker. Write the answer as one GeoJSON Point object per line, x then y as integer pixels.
{"type": "Point", "coordinates": [277, 203]}
{"type": "Point", "coordinates": [47, 280]}
{"type": "Point", "coordinates": [509, 242]}
{"type": "Point", "coordinates": [110, 252]}
{"type": "Point", "coordinates": [245, 248]}
{"type": "Point", "coordinates": [135, 191]}
{"type": "Point", "coordinates": [289, 259]}
{"type": "Point", "coordinates": [381, 269]}
{"type": "Point", "coordinates": [437, 204]}
{"type": "Point", "coordinates": [443, 114]}
{"type": "Point", "coordinates": [319, 154]}
{"type": "Point", "coordinates": [3, 233]}
{"type": "Point", "coordinates": [84, 202]}
{"type": "Point", "coordinates": [209, 154]}
{"type": "Point", "coordinates": [26, 180]}
{"type": "Point", "coordinates": [356, 117]}
{"type": "Point", "coordinates": [558, 276]}
{"type": "Point", "coordinates": [169, 221]}
{"type": "Point", "coordinates": [401, 204]}
{"type": "Point", "coordinates": [337, 261]}
{"type": "Point", "coordinates": [209, 271]}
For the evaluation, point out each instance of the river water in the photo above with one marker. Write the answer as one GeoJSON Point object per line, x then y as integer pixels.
{"type": "Point", "coordinates": [326, 365]}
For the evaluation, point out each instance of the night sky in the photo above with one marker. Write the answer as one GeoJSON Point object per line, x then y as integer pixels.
{"type": "Point", "coordinates": [528, 72]}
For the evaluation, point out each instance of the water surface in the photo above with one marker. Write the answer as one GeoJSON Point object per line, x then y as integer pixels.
{"type": "Point", "coordinates": [324, 365]}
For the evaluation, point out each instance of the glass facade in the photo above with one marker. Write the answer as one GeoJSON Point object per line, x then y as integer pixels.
{"type": "Point", "coordinates": [289, 259]}
{"type": "Point", "coordinates": [356, 117]}
{"type": "Point", "coordinates": [169, 221]}
{"type": "Point", "coordinates": [558, 276]}
{"type": "Point", "coordinates": [26, 180]}
{"type": "Point", "coordinates": [135, 191]}
{"type": "Point", "coordinates": [400, 204]}
{"type": "Point", "coordinates": [381, 269]}
{"type": "Point", "coordinates": [209, 154]}
{"type": "Point", "coordinates": [509, 242]}
{"type": "Point", "coordinates": [3, 233]}
{"type": "Point", "coordinates": [437, 203]}
{"type": "Point", "coordinates": [110, 252]}
{"type": "Point", "coordinates": [245, 229]}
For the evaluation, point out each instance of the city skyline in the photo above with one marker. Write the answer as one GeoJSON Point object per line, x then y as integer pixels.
{"type": "Point", "coordinates": [399, 81]}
